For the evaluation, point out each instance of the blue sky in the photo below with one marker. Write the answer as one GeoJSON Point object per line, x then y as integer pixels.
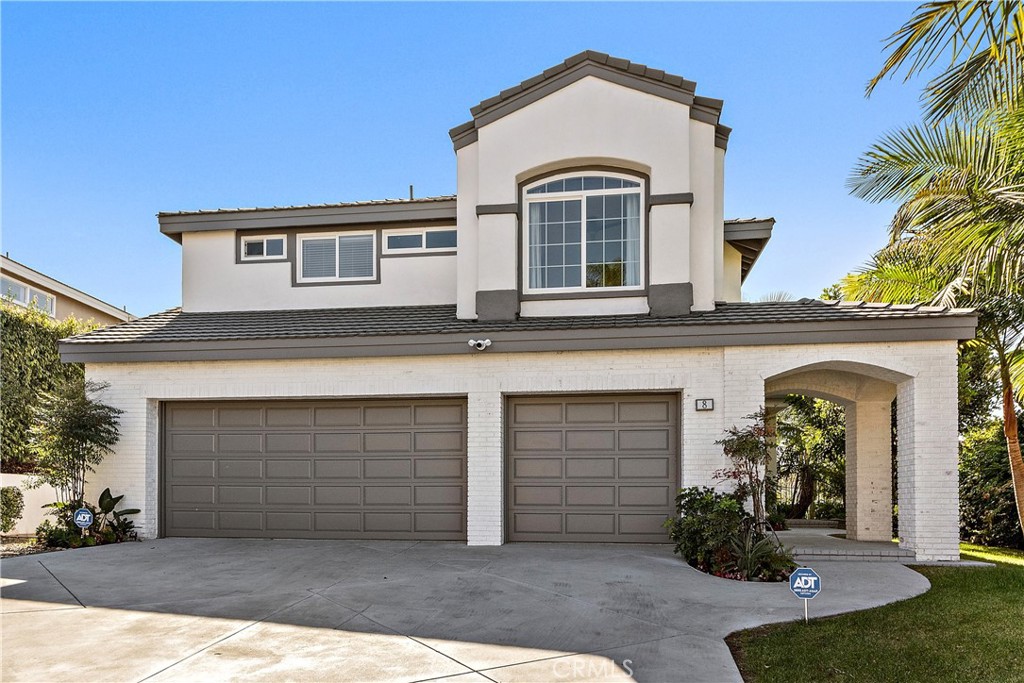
{"type": "Point", "coordinates": [113, 112]}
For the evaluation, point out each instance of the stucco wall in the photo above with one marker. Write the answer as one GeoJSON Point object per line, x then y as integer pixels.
{"type": "Point", "coordinates": [212, 281]}
{"type": "Point", "coordinates": [733, 377]}
{"type": "Point", "coordinates": [592, 123]}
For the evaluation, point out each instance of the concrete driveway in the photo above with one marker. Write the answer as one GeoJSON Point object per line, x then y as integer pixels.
{"type": "Point", "coordinates": [210, 610]}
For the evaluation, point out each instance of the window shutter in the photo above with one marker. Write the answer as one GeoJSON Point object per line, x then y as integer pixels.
{"type": "Point", "coordinates": [318, 258]}
{"type": "Point", "coordinates": [355, 256]}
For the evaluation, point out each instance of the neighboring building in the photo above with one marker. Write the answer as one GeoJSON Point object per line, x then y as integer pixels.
{"type": "Point", "coordinates": [26, 287]}
{"type": "Point", "coordinates": [546, 355]}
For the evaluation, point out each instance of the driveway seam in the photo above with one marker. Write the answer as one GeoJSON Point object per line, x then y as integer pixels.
{"type": "Point", "coordinates": [418, 642]}
{"type": "Point", "coordinates": [221, 640]}
{"type": "Point", "coordinates": [61, 583]}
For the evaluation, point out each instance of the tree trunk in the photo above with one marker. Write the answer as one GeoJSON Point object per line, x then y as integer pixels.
{"type": "Point", "coordinates": [1010, 430]}
{"type": "Point", "coordinates": [806, 494]}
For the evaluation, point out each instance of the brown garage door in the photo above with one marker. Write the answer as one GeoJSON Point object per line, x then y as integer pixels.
{"type": "Point", "coordinates": [324, 469]}
{"type": "Point", "coordinates": [592, 468]}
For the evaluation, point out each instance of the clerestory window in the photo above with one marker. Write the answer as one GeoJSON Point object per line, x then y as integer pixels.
{"type": "Point", "coordinates": [583, 233]}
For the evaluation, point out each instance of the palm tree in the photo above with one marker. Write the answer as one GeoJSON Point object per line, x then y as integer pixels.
{"type": "Point", "coordinates": [984, 44]}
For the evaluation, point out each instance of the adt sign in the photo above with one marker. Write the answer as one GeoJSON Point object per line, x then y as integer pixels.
{"type": "Point", "coordinates": [805, 583]}
{"type": "Point", "coordinates": [83, 518]}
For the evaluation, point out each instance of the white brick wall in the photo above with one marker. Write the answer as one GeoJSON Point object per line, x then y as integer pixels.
{"type": "Point", "coordinates": [733, 377]}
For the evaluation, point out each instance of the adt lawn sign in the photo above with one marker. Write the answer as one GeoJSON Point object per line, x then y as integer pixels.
{"type": "Point", "coordinates": [83, 518]}
{"type": "Point", "coordinates": [805, 583]}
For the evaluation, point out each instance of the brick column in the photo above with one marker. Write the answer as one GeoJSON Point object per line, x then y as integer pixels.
{"type": "Point", "coordinates": [485, 490]}
{"type": "Point", "coordinates": [868, 471]}
{"type": "Point", "coordinates": [926, 423]}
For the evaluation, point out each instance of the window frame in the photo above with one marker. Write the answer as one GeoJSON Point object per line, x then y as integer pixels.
{"type": "Point", "coordinates": [420, 250]}
{"type": "Point", "coordinates": [263, 238]}
{"type": "Point", "coordinates": [301, 237]}
{"type": "Point", "coordinates": [582, 290]}
{"type": "Point", "coordinates": [27, 302]}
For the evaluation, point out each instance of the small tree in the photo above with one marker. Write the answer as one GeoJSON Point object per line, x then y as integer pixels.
{"type": "Point", "coordinates": [70, 435]}
{"type": "Point", "coordinates": [749, 449]}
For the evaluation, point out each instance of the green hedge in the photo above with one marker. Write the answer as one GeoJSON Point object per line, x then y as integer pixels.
{"type": "Point", "coordinates": [29, 365]}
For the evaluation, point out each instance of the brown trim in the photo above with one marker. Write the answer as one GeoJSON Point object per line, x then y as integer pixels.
{"type": "Point", "coordinates": [293, 243]}
{"type": "Point", "coordinates": [161, 477]}
{"type": "Point", "coordinates": [722, 136]}
{"type": "Point", "coordinates": [704, 109]}
{"type": "Point", "coordinates": [240, 245]}
{"type": "Point", "coordinates": [583, 294]}
{"type": "Point", "coordinates": [280, 220]}
{"type": "Point", "coordinates": [674, 198]}
{"type": "Point", "coordinates": [524, 341]}
{"type": "Point", "coordinates": [493, 209]}
{"type": "Point", "coordinates": [596, 294]}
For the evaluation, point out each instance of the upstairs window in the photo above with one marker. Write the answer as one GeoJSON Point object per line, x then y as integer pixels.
{"type": "Point", "coordinates": [335, 258]}
{"type": "Point", "coordinates": [420, 240]}
{"type": "Point", "coordinates": [29, 297]}
{"type": "Point", "coordinates": [263, 248]}
{"type": "Point", "coordinates": [583, 233]}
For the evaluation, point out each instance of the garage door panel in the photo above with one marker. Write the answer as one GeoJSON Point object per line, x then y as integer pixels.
{"type": "Point", "coordinates": [609, 468]}
{"type": "Point", "coordinates": [239, 443]}
{"type": "Point", "coordinates": [240, 417]}
{"type": "Point", "coordinates": [289, 417]}
{"type": "Point", "coordinates": [240, 495]}
{"type": "Point", "coordinates": [590, 440]}
{"type": "Point", "coordinates": [451, 415]}
{"type": "Point", "coordinates": [337, 417]}
{"type": "Point", "coordinates": [289, 469]}
{"type": "Point", "coordinates": [328, 469]}
{"type": "Point", "coordinates": [194, 443]}
{"type": "Point", "coordinates": [337, 443]}
{"type": "Point", "coordinates": [288, 443]}
{"type": "Point", "coordinates": [239, 469]}
{"type": "Point", "coordinates": [387, 442]}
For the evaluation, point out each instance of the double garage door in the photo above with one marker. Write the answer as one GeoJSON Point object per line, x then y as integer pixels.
{"type": "Point", "coordinates": [590, 468]}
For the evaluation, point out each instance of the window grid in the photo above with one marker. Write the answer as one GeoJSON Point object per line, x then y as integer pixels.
{"type": "Point", "coordinates": [263, 248]}
{"type": "Point", "coordinates": [610, 242]}
{"type": "Point", "coordinates": [420, 241]}
{"type": "Point", "coordinates": [29, 297]}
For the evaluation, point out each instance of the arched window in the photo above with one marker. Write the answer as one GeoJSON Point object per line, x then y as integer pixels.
{"type": "Point", "coordinates": [583, 232]}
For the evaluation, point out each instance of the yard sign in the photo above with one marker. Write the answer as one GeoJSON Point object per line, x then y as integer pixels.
{"type": "Point", "coordinates": [805, 584]}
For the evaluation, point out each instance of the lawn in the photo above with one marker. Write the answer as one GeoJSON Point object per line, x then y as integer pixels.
{"type": "Point", "coordinates": [968, 627]}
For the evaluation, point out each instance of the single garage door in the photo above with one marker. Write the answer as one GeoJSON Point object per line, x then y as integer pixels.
{"type": "Point", "coordinates": [592, 468]}
{"type": "Point", "coordinates": [323, 469]}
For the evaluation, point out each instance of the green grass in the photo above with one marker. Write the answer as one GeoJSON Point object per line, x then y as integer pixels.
{"type": "Point", "coordinates": [968, 627]}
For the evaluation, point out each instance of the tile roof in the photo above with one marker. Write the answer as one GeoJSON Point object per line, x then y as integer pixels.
{"type": "Point", "coordinates": [338, 205]}
{"type": "Point", "coordinates": [178, 326]}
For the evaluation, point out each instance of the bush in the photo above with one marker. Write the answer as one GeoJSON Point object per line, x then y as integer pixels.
{"type": "Point", "coordinates": [830, 510]}
{"type": "Point", "coordinates": [988, 513]}
{"type": "Point", "coordinates": [713, 533]}
{"type": "Point", "coordinates": [12, 504]}
{"type": "Point", "coordinates": [30, 367]}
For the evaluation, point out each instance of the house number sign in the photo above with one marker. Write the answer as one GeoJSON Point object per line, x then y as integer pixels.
{"type": "Point", "coordinates": [705, 404]}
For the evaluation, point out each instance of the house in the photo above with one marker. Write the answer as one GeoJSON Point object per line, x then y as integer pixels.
{"type": "Point", "coordinates": [547, 355]}
{"type": "Point", "coordinates": [23, 286]}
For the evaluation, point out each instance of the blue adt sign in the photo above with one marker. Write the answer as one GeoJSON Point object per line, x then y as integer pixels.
{"type": "Point", "coordinates": [805, 583]}
{"type": "Point", "coordinates": [83, 518]}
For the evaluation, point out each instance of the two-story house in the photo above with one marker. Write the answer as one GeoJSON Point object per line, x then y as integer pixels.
{"type": "Point", "coordinates": [547, 355]}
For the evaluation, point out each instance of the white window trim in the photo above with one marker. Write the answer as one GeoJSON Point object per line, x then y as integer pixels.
{"type": "Point", "coordinates": [264, 238]}
{"type": "Point", "coordinates": [581, 194]}
{"type": "Point", "coordinates": [422, 249]}
{"type": "Point", "coordinates": [27, 303]}
{"type": "Point", "coordinates": [299, 239]}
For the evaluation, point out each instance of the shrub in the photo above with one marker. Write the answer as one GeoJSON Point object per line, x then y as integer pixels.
{"type": "Point", "coordinates": [12, 504]}
{"type": "Point", "coordinates": [988, 513]}
{"type": "Point", "coordinates": [109, 525]}
{"type": "Point", "coordinates": [830, 509]}
{"type": "Point", "coordinates": [713, 533]}
{"type": "Point", "coordinates": [31, 366]}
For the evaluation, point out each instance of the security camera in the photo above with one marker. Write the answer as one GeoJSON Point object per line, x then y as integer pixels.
{"type": "Point", "coordinates": [479, 344]}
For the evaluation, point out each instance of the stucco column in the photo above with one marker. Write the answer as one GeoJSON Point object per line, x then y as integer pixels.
{"type": "Point", "coordinates": [868, 471]}
{"type": "Point", "coordinates": [928, 494]}
{"type": "Point", "coordinates": [485, 500]}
